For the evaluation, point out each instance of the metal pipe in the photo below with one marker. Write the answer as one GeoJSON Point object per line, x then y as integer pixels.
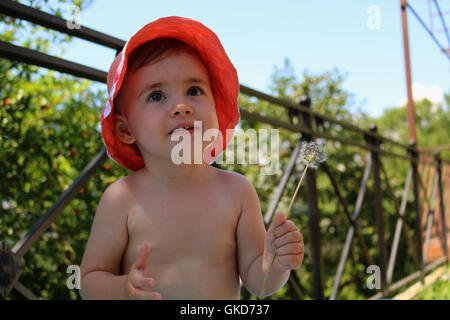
{"type": "Point", "coordinates": [352, 221]}
{"type": "Point", "coordinates": [287, 173]}
{"type": "Point", "coordinates": [441, 205]}
{"type": "Point", "coordinates": [378, 201]}
{"type": "Point", "coordinates": [409, 278]}
{"type": "Point", "coordinates": [24, 244]}
{"type": "Point", "coordinates": [402, 217]}
{"type": "Point", "coordinates": [398, 227]}
{"type": "Point", "coordinates": [411, 114]}
{"type": "Point", "coordinates": [314, 219]}
{"type": "Point", "coordinates": [25, 291]}
{"type": "Point", "coordinates": [429, 31]}
{"type": "Point", "coordinates": [350, 232]}
{"type": "Point", "coordinates": [429, 221]}
{"type": "Point", "coordinates": [289, 105]}
{"type": "Point", "coordinates": [21, 54]}
{"type": "Point", "coordinates": [254, 116]}
{"type": "Point", "coordinates": [417, 207]}
{"type": "Point", "coordinates": [20, 11]}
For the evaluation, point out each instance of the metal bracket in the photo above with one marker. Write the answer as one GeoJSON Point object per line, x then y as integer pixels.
{"type": "Point", "coordinates": [10, 270]}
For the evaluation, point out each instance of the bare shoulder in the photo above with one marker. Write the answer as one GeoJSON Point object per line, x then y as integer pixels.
{"type": "Point", "coordinates": [116, 195]}
{"type": "Point", "coordinates": [114, 204]}
{"type": "Point", "coordinates": [237, 182]}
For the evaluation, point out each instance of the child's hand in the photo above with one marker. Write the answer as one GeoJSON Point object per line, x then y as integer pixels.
{"type": "Point", "coordinates": [139, 282]}
{"type": "Point", "coordinates": [288, 241]}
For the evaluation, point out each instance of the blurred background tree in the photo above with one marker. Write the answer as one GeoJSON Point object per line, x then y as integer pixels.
{"type": "Point", "coordinates": [49, 125]}
{"type": "Point", "coordinates": [49, 132]}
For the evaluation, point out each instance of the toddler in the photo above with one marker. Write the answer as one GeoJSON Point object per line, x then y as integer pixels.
{"type": "Point", "coordinates": [179, 230]}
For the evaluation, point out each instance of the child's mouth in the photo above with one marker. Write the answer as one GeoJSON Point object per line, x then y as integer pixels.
{"type": "Point", "coordinates": [190, 129]}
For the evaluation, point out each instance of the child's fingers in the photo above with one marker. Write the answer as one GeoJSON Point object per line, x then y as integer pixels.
{"type": "Point", "coordinates": [147, 295]}
{"type": "Point", "coordinates": [291, 261]}
{"type": "Point", "coordinates": [141, 260]}
{"type": "Point", "coordinates": [291, 249]}
{"type": "Point", "coordinates": [290, 237]}
{"type": "Point", "coordinates": [144, 294]}
{"type": "Point", "coordinates": [285, 227]}
{"type": "Point", "coordinates": [279, 219]}
{"type": "Point", "coordinates": [140, 281]}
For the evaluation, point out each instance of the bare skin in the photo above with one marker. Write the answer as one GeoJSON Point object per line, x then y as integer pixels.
{"type": "Point", "coordinates": [180, 231]}
{"type": "Point", "coordinates": [192, 239]}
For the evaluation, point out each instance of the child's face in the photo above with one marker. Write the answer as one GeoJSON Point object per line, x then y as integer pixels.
{"type": "Point", "coordinates": [157, 97]}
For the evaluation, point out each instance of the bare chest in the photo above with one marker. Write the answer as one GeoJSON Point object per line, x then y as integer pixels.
{"type": "Point", "coordinates": [191, 227]}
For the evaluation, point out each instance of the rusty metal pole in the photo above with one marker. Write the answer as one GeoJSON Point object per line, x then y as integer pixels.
{"type": "Point", "coordinates": [411, 113]}
{"type": "Point", "coordinates": [314, 217]}
{"type": "Point", "coordinates": [417, 206]}
{"type": "Point", "coordinates": [379, 215]}
{"type": "Point", "coordinates": [441, 203]}
{"type": "Point", "coordinates": [412, 134]}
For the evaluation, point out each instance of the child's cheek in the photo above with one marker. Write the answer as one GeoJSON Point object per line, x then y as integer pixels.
{"type": "Point", "coordinates": [151, 137]}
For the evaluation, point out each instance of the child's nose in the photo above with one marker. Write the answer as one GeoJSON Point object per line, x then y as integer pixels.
{"type": "Point", "coordinates": [182, 110]}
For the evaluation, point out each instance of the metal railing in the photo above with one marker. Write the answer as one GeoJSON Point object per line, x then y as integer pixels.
{"type": "Point", "coordinates": [313, 126]}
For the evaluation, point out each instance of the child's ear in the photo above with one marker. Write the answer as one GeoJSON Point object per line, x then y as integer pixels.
{"type": "Point", "coordinates": [122, 129]}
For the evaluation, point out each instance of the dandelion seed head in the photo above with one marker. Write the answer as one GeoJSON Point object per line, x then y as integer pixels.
{"type": "Point", "coordinates": [313, 154]}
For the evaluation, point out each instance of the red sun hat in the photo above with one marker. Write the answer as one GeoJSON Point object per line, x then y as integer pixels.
{"type": "Point", "coordinates": [223, 77]}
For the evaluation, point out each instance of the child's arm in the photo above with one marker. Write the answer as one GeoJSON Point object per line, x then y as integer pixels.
{"type": "Point", "coordinates": [100, 268]}
{"type": "Point", "coordinates": [254, 245]}
{"type": "Point", "coordinates": [108, 238]}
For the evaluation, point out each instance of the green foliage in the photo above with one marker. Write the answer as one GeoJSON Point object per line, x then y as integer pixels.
{"type": "Point", "coordinates": [347, 166]}
{"type": "Point", "coordinates": [439, 290]}
{"type": "Point", "coordinates": [49, 132]}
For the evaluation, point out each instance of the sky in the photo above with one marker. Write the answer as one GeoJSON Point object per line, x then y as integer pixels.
{"type": "Point", "coordinates": [361, 38]}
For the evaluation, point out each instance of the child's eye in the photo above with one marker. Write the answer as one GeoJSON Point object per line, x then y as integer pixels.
{"type": "Point", "coordinates": [195, 91]}
{"type": "Point", "coordinates": [155, 96]}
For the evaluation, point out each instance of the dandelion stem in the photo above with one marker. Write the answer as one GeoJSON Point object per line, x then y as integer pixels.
{"type": "Point", "coordinates": [287, 214]}
{"type": "Point", "coordinates": [267, 273]}
{"type": "Point", "coordinates": [296, 190]}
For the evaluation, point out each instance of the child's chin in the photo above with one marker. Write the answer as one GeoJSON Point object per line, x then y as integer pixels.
{"type": "Point", "coordinates": [181, 159]}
